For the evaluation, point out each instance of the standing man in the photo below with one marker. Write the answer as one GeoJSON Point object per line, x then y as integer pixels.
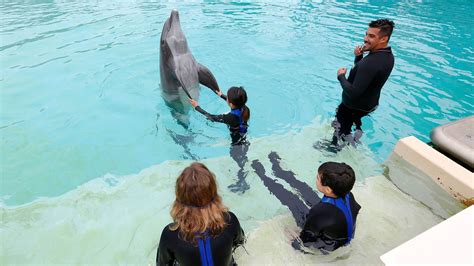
{"type": "Point", "coordinates": [361, 90]}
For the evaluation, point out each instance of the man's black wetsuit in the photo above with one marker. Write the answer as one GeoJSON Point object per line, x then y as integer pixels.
{"type": "Point", "coordinates": [231, 120]}
{"type": "Point", "coordinates": [326, 227]}
{"type": "Point", "coordinates": [361, 90]}
{"type": "Point", "coordinates": [173, 249]}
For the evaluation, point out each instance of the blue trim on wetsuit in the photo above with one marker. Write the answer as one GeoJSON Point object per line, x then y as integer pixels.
{"type": "Point", "coordinates": [238, 113]}
{"type": "Point", "coordinates": [205, 251]}
{"type": "Point", "coordinates": [345, 207]}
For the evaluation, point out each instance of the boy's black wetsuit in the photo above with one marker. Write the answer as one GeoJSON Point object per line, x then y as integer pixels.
{"type": "Point", "coordinates": [173, 249]}
{"type": "Point", "coordinates": [231, 120]}
{"type": "Point", "coordinates": [326, 226]}
{"type": "Point", "coordinates": [361, 90]}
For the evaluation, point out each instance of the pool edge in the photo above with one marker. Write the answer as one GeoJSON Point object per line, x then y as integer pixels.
{"type": "Point", "coordinates": [452, 177]}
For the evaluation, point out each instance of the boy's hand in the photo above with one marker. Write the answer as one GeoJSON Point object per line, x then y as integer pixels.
{"type": "Point", "coordinates": [194, 103]}
{"type": "Point", "coordinates": [219, 93]}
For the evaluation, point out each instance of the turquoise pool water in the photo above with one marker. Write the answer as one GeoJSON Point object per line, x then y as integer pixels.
{"type": "Point", "coordinates": [80, 93]}
{"type": "Point", "coordinates": [81, 111]}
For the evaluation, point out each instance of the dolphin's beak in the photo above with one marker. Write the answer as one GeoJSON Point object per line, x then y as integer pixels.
{"type": "Point", "coordinates": [174, 17]}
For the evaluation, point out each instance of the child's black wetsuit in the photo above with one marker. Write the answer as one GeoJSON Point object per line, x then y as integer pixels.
{"type": "Point", "coordinates": [326, 227]}
{"type": "Point", "coordinates": [232, 120]}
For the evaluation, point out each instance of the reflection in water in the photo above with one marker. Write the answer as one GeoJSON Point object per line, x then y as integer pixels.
{"type": "Point", "coordinates": [97, 121]}
{"type": "Point", "coordinates": [114, 219]}
{"type": "Point", "coordinates": [239, 154]}
{"type": "Point", "coordinates": [107, 55]}
{"type": "Point", "coordinates": [184, 141]}
{"type": "Point", "coordinates": [298, 207]}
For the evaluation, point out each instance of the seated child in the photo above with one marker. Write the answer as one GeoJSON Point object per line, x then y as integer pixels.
{"type": "Point", "coordinates": [330, 224]}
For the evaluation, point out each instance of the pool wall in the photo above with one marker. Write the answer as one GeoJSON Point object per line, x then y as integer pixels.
{"type": "Point", "coordinates": [453, 178]}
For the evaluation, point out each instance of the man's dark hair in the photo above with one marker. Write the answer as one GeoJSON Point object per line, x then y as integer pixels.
{"type": "Point", "coordinates": [340, 177]}
{"type": "Point", "coordinates": [384, 25]}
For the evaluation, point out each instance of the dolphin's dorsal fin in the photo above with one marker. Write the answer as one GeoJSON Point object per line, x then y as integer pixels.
{"type": "Point", "coordinates": [206, 78]}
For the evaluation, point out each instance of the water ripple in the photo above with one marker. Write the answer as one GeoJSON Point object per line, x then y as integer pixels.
{"type": "Point", "coordinates": [94, 68]}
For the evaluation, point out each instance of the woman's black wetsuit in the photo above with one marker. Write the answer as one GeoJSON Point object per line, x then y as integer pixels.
{"type": "Point", "coordinates": [172, 249]}
{"type": "Point", "coordinates": [231, 120]}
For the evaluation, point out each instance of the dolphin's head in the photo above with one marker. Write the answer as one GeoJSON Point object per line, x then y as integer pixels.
{"type": "Point", "coordinates": [172, 36]}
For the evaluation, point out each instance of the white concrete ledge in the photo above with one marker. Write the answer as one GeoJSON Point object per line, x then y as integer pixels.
{"type": "Point", "coordinates": [448, 243]}
{"type": "Point", "coordinates": [455, 179]}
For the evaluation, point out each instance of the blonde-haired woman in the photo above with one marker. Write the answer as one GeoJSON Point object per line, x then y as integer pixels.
{"type": "Point", "coordinates": [204, 231]}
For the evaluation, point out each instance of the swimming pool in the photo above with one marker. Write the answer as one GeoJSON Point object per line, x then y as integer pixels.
{"type": "Point", "coordinates": [81, 104]}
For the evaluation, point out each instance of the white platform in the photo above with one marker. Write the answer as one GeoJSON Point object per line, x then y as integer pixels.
{"type": "Point", "coordinates": [448, 243]}
{"type": "Point", "coordinates": [453, 178]}
{"type": "Point", "coordinates": [457, 139]}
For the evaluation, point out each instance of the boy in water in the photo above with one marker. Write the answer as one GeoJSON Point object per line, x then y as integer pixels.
{"type": "Point", "coordinates": [326, 223]}
{"type": "Point", "coordinates": [330, 224]}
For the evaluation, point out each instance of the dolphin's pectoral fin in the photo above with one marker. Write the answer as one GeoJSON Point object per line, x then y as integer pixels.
{"type": "Point", "coordinates": [207, 79]}
{"type": "Point", "coordinates": [184, 89]}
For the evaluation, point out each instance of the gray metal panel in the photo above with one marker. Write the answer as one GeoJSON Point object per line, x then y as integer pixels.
{"type": "Point", "coordinates": [456, 139]}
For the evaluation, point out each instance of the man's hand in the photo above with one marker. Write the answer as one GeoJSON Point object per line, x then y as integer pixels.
{"type": "Point", "coordinates": [358, 50]}
{"type": "Point", "coordinates": [341, 71]}
{"type": "Point", "coordinates": [194, 103]}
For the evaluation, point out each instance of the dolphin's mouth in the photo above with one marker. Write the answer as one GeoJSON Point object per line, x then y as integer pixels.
{"type": "Point", "coordinates": [174, 17]}
{"type": "Point", "coordinates": [171, 23]}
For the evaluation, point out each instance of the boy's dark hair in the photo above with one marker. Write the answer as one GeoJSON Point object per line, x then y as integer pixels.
{"type": "Point", "coordinates": [384, 25]}
{"type": "Point", "coordinates": [340, 177]}
{"type": "Point", "coordinates": [238, 97]}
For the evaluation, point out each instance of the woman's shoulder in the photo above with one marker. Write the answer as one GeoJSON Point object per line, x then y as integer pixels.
{"type": "Point", "coordinates": [167, 232]}
{"type": "Point", "coordinates": [231, 216]}
{"type": "Point", "coordinates": [232, 220]}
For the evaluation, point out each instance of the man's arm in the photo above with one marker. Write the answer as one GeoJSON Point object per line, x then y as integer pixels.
{"type": "Point", "coordinates": [363, 78]}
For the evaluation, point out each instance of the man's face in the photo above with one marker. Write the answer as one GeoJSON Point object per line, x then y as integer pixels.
{"type": "Point", "coordinates": [372, 39]}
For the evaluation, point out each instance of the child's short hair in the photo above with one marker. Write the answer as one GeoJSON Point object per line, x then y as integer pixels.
{"type": "Point", "coordinates": [340, 177]}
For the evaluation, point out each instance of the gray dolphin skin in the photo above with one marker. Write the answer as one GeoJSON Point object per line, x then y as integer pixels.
{"type": "Point", "coordinates": [180, 74]}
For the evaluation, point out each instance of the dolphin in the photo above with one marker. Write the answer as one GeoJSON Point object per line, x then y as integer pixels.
{"type": "Point", "coordinates": [180, 74]}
